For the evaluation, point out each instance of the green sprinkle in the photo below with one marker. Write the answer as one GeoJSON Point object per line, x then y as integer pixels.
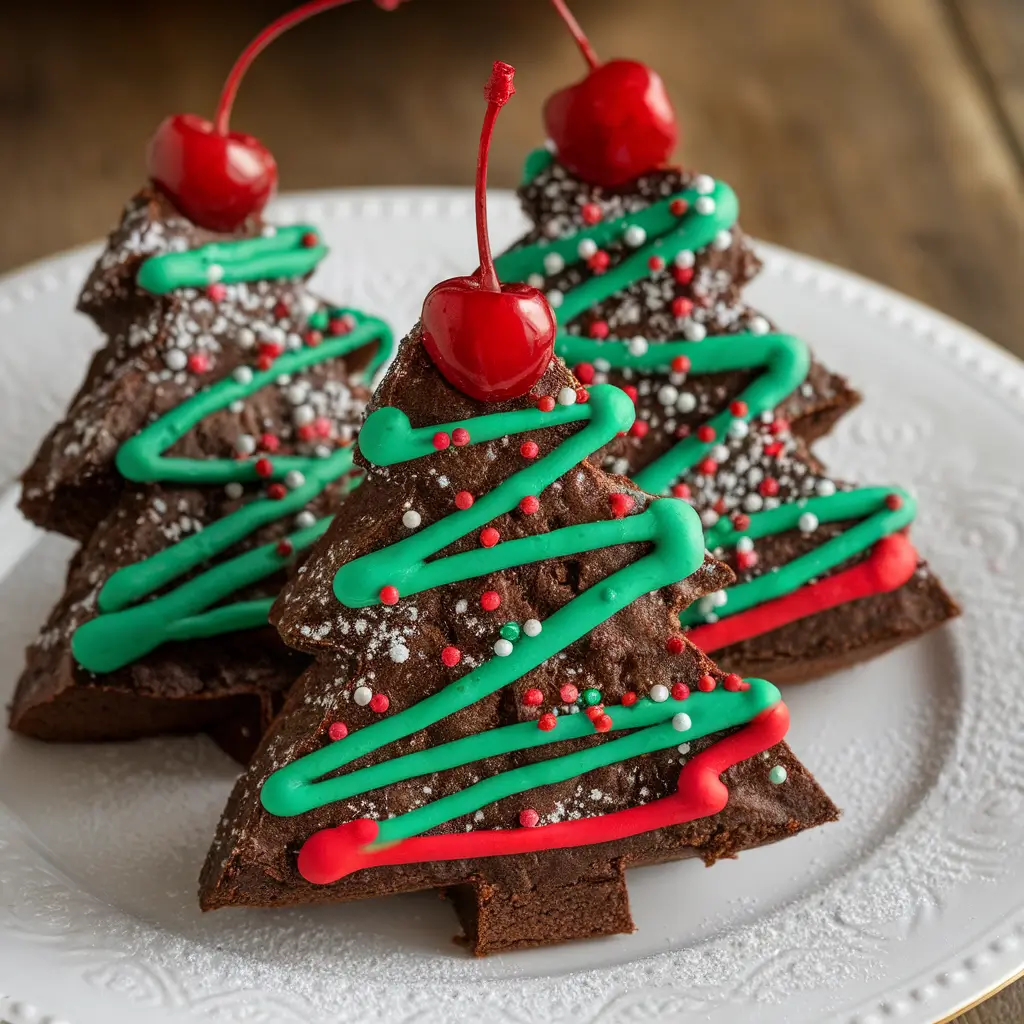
{"type": "Point", "coordinates": [778, 775]}
{"type": "Point", "coordinates": [510, 631]}
{"type": "Point", "coordinates": [591, 696]}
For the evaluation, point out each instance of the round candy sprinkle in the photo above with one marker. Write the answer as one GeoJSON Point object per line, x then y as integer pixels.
{"type": "Point", "coordinates": [659, 693]}
{"type": "Point", "coordinates": [305, 519]}
{"type": "Point", "coordinates": [675, 645]}
{"type": "Point", "coordinates": [510, 631]}
{"type": "Point", "coordinates": [634, 236]}
{"type": "Point", "coordinates": [566, 396]}
{"type": "Point", "coordinates": [460, 437]}
{"type": "Point", "coordinates": [362, 695]}
{"type": "Point", "coordinates": [591, 695]}
{"type": "Point", "coordinates": [529, 504]}
{"type": "Point", "coordinates": [264, 467]}
{"type": "Point", "coordinates": [399, 653]}
{"type": "Point", "coordinates": [591, 213]}
{"type": "Point", "coordinates": [602, 723]}
{"type": "Point", "coordinates": [732, 682]}
{"type": "Point", "coordinates": [681, 491]}
{"type": "Point", "coordinates": [555, 298]}
{"type": "Point", "coordinates": [529, 818]}
{"type": "Point", "coordinates": [706, 683]}
{"type": "Point", "coordinates": [705, 433]}
{"type": "Point", "coordinates": [532, 627]}
{"type": "Point", "coordinates": [489, 536]}
{"type": "Point", "coordinates": [463, 500]}
{"type": "Point", "coordinates": [529, 450]}
{"type": "Point", "coordinates": [586, 248]}
{"type": "Point", "coordinates": [503, 648]}
{"type": "Point", "coordinates": [620, 504]}
{"type": "Point", "coordinates": [678, 207]}
{"type": "Point", "coordinates": [893, 502]}
{"type": "Point", "coordinates": [389, 595]}
{"type": "Point", "coordinates": [681, 722]}
{"type": "Point", "coordinates": [547, 721]}
{"type": "Point", "coordinates": [682, 307]}
{"type": "Point", "coordinates": [490, 600]}
{"type": "Point", "coordinates": [451, 656]}
{"type": "Point", "coordinates": [769, 487]}
{"type": "Point", "coordinates": [584, 372]}
{"type": "Point", "coordinates": [598, 330]}
{"type": "Point", "coordinates": [568, 693]}
{"type": "Point", "coordinates": [533, 698]}
{"type": "Point", "coordinates": [680, 691]}
{"type": "Point", "coordinates": [276, 491]}
{"type": "Point", "coordinates": [808, 522]}
{"type": "Point", "coordinates": [441, 440]}
{"type": "Point", "coordinates": [293, 479]}
{"type": "Point", "coordinates": [778, 775]}
{"type": "Point", "coordinates": [629, 698]}
{"type": "Point", "coordinates": [412, 519]}
{"type": "Point", "coordinates": [546, 403]}
{"type": "Point", "coordinates": [825, 488]}
{"type": "Point", "coordinates": [337, 731]}
{"type": "Point", "coordinates": [285, 547]}
{"type": "Point", "coordinates": [595, 711]}
{"type": "Point", "coordinates": [379, 702]}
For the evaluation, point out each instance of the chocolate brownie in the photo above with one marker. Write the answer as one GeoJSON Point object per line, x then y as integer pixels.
{"type": "Point", "coordinates": [541, 858]}
{"type": "Point", "coordinates": [204, 452]}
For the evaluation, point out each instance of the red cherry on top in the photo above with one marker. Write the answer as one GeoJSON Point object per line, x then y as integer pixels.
{"type": "Point", "coordinates": [215, 177]}
{"type": "Point", "coordinates": [492, 341]}
{"type": "Point", "coordinates": [616, 123]}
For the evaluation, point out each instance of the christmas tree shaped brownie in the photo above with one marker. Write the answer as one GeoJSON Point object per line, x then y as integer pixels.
{"type": "Point", "coordinates": [645, 267]}
{"type": "Point", "coordinates": [502, 704]}
{"type": "Point", "coordinates": [205, 451]}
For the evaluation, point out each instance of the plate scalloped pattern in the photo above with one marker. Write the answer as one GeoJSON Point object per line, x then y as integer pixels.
{"type": "Point", "coordinates": [838, 939]}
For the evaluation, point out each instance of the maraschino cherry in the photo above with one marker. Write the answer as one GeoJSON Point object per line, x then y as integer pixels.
{"type": "Point", "coordinates": [490, 340]}
{"type": "Point", "coordinates": [216, 177]}
{"type": "Point", "coordinates": [613, 125]}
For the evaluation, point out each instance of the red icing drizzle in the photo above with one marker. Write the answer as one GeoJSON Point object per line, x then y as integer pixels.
{"type": "Point", "coordinates": [333, 853]}
{"type": "Point", "coordinates": [891, 564]}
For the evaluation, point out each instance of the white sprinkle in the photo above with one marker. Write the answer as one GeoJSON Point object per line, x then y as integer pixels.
{"type": "Point", "coordinates": [308, 304]}
{"type": "Point", "coordinates": [303, 415]}
{"type": "Point", "coordinates": [245, 444]}
{"type": "Point", "coordinates": [739, 429]}
{"type": "Point", "coordinates": [745, 544]}
{"type": "Point", "coordinates": [694, 331]}
{"type": "Point", "coordinates": [242, 374]}
{"type": "Point", "coordinates": [684, 260]}
{"type": "Point", "coordinates": [753, 503]}
{"type": "Point", "coordinates": [323, 451]}
{"type": "Point", "coordinates": [297, 393]}
{"type": "Point", "coordinates": [681, 722]}
{"type": "Point", "coordinates": [825, 488]}
{"type": "Point", "coordinates": [808, 522]}
{"type": "Point", "coordinates": [758, 325]}
{"type": "Point", "coordinates": [236, 406]}
{"type": "Point", "coordinates": [720, 453]}
{"type": "Point", "coordinates": [532, 627]}
{"type": "Point", "coordinates": [620, 467]}
{"type": "Point", "coordinates": [555, 298]}
{"type": "Point", "coordinates": [708, 518]}
{"type": "Point", "coordinates": [687, 402]}
{"type": "Point", "coordinates": [586, 248]}
{"type": "Point", "coordinates": [634, 236]}
{"type": "Point", "coordinates": [722, 240]}
{"type": "Point", "coordinates": [305, 519]}
{"type": "Point", "coordinates": [704, 184]}
{"type": "Point", "coordinates": [362, 695]}
{"type": "Point", "coordinates": [602, 365]}
{"type": "Point", "coordinates": [566, 396]}
{"type": "Point", "coordinates": [294, 479]}
{"type": "Point", "coordinates": [659, 693]}
{"type": "Point", "coordinates": [275, 335]}
{"type": "Point", "coordinates": [246, 337]}
{"type": "Point", "coordinates": [683, 748]}
{"type": "Point", "coordinates": [399, 653]}
{"type": "Point", "coordinates": [460, 607]}
{"type": "Point", "coordinates": [719, 598]}
{"type": "Point", "coordinates": [705, 206]}
{"type": "Point", "coordinates": [667, 394]}
{"type": "Point", "coordinates": [553, 263]}
{"type": "Point", "coordinates": [234, 490]}
{"type": "Point", "coordinates": [412, 519]}
{"type": "Point", "coordinates": [535, 280]}
{"type": "Point", "coordinates": [214, 272]}
{"type": "Point", "coordinates": [176, 359]}
{"type": "Point", "coordinates": [268, 231]}
{"type": "Point", "coordinates": [502, 647]}
{"type": "Point", "coordinates": [637, 346]}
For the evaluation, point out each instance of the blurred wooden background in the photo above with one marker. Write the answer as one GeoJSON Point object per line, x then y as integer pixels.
{"type": "Point", "coordinates": [884, 135]}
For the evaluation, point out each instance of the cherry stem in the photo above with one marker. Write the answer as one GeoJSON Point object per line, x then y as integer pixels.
{"type": "Point", "coordinates": [255, 48]}
{"type": "Point", "coordinates": [577, 33]}
{"type": "Point", "coordinates": [498, 90]}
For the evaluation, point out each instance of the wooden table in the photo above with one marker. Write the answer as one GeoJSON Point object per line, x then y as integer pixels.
{"type": "Point", "coordinates": [884, 135]}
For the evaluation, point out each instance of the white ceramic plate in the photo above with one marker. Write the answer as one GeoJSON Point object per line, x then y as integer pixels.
{"type": "Point", "coordinates": [909, 908]}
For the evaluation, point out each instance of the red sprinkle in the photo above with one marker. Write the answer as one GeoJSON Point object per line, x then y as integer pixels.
{"type": "Point", "coordinates": [323, 426]}
{"type": "Point", "coordinates": [773, 448]}
{"type": "Point", "coordinates": [460, 437]}
{"type": "Point", "coordinates": [338, 325]}
{"type": "Point", "coordinates": [620, 503]}
{"type": "Point", "coordinates": [264, 362]}
{"type": "Point", "coordinates": [602, 723]}
{"type": "Point", "coordinates": [732, 682]}
{"type": "Point", "coordinates": [594, 711]}
{"type": "Point", "coordinates": [388, 595]}
{"type": "Point", "coordinates": [683, 275]}
{"type": "Point", "coordinates": [269, 442]}
{"type": "Point", "coordinates": [599, 262]}
{"type": "Point", "coordinates": [270, 348]}
{"type": "Point", "coordinates": [529, 504]}
{"type": "Point", "coordinates": [281, 309]}
{"type": "Point", "coordinates": [629, 698]}
{"type": "Point", "coordinates": [451, 656]}
{"type": "Point", "coordinates": [582, 396]}
{"type": "Point", "coordinates": [893, 502]}
{"type": "Point", "coordinates": [706, 433]}
{"type": "Point", "coordinates": [680, 691]}
{"type": "Point", "coordinates": [682, 307]}
{"type": "Point", "coordinates": [769, 487]}
{"type": "Point", "coordinates": [707, 466]}
{"type": "Point", "coordinates": [547, 721]}
{"type": "Point", "coordinates": [313, 338]}
{"type": "Point", "coordinates": [199, 362]}
{"type": "Point", "coordinates": [489, 536]}
{"type": "Point", "coordinates": [719, 506]}
{"type": "Point", "coordinates": [218, 291]}
{"type": "Point", "coordinates": [746, 559]}
{"type": "Point", "coordinates": [779, 426]}
{"type": "Point", "coordinates": [285, 547]}
{"type": "Point", "coordinates": [337, 731]}
{"type": "Point", "coordinates": [546, 403]}
{"type": "Point", "coordinates": [639, 428]}
{"type": "Point", "coordinates": [276, 491]}
{"type": "Point", "coordinates": [591, 213]}
{"type": "Point", "coordinates": [533, 698]}
{"type": "Point", "coordinates": [441, 440]}
{"type": "Point", "coordinates": [463, 500]}
{"type": "Point", "coordinates": [738, 408]}
{"type": "Point", "coordinates": [264, 467]}
{"type": "Point", "coordinates": [584, 372]}
{"type": "Point", "coordinates": [706, 684]}
{"type": "Point", "coordinates": [741, 521]}
{"type": "Point", "coordinates": [529, 450]}
{"type": "Point", "coordinates": [568, 693]}
{"type": "Point", "coordinates": [529, 818]}
{"type": "Point", "coordinates": [306, 432]}
{"type": "Point", "coordinates": [675, 645]}
{"type": "Point", "coordinates": [490, 600]}
{"type": "Point", "coordinates": [655, 263]}
{"type": "Point", "coordinates": [678, 207]}
{"type": "Point", "coordinates": [379, 702]}
{"type": "Point", "coordinates": [310, 239]}
{"type": "Point", "coordinates": [598, 330]}
{"type": "Point", "coordinates": [681, 364]}
{"type": "Point", "coordinates": [631, 391]}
